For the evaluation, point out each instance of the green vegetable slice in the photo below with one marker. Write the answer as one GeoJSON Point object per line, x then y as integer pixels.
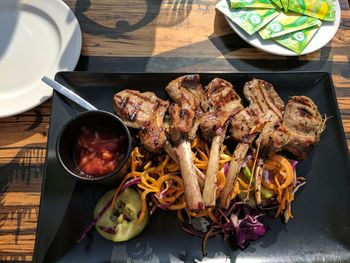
{"type": "Point", "coordinates": [266, 193]}
{"type": "Point", "coordinates": [120, 222]}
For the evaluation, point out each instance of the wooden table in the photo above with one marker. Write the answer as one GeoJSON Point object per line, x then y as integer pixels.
{"type": "Point", "coordinates": [141, 36]}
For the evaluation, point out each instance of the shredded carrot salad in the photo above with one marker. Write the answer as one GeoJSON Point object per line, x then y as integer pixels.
{"type": "Point", "coordinates": [161, 178]}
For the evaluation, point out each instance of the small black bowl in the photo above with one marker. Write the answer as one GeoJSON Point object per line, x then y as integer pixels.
{"type": "Point", "coordinates": [67, 139]}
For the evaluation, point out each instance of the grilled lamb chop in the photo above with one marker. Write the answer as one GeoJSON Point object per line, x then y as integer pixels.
{"type": "Point", "coordinates": [304, 123]}
{"type": "Point", "coordinates": [140, 111]}
{"type": "Point", "coordinates": [187, 92]}
{"type": "Point", "coordinates": [143, 111]}
{"type": "Point", "coordinates": [300, 131]}
{"type": "Point", "coordinates": [220, 102]}
{"type": "Point", "coordinates": [273, 138]}
{"type": "Point", "coordinates": [265, 106]}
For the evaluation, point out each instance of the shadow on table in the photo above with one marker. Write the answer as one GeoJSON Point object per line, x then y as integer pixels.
{"type": "Point", "coordinates": [226, 43]}
{"type": "Point", "coordinates": [162, 13]}
{"type": "Point", "coordinates": [22, 174]}
{"type": "Point", "coordinates": [29, 125]}
{"type": "Point", "coordinates": [117, 22]}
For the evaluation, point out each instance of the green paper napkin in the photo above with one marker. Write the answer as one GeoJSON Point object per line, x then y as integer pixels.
{"type": "Point", "coordinates": [297, 41]}
{"type": "Point", "coordinates": [250, 20]}
{"type": "Point", "coordinates": [286, 23]}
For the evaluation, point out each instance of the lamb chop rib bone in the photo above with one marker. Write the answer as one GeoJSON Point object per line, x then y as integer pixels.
{"type": "Point", "coordinates": [265, 106]}
{"type": "Point", "coordinates": [272, 139]}
{"type": "Point", "coordinates": [169, 149]}
{"type": "Point", "coordinates": [220, 102]}
{"type": "Point", "coordinates": [187, 93]}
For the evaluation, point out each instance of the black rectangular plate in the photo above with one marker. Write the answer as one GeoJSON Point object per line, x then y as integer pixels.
{"type": "Point", "coordinates": [319, 231]}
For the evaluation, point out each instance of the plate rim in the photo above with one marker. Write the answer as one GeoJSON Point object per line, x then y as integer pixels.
{"type": "Point", "coordinates": [74, 37]}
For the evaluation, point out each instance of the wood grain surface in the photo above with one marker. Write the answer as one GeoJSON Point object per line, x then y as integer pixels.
{"type": "Point", "coordinates": [142, 36]}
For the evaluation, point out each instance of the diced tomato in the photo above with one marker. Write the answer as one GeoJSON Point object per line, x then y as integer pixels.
{"type": "Point", "coordinates": [98, 151]}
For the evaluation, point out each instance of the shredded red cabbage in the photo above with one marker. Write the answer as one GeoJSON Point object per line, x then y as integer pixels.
{"type": "Point", "coordinates": [163, 206]}
{"type": "Point", "coordinates": [226, 168]}
{"type": "Point", "coordinates": [298, 185]}
{"type": "Point", "coordinates": [163, 193]}
{"type": "Point", "coordinates": [294, 164]}
{"type": "Point", "coordinates": [108, 230]}
{"type": "Point", "coordinates": [267, 176]}
{"type": "Point", "coordinates": [242, 224]}
{"type": "Point", "coordinates": [246, 159]}
{"type": "Point", "coordinates": [239, 222]}
{"type": "Point", "coordinates": [247, 229]}
{"type": "Point", "coordinates": [93, 222]}
{"type": "Point", "coordinates": [130, 183]}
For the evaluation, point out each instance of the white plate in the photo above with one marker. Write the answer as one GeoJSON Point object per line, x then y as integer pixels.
{"type": "Point", "coordinates": [321, 38]}
{"type": "Point", "coordinates": [37, 38]}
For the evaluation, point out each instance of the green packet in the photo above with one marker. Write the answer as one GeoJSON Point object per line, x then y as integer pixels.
{"type": "Point", "coordinates": [250, 20]}
{"type": "Point", "coordinates": [285, 4]}
{"type": "Point", "coordinates": [286, 23]}
{"type": "Point", "coordinates": [297, 41]}
{"type": "Point", "coordinates": [322, 9]}
{"type": "Point", "coordinates": [252, 4]}
{"type": "Point", "coordinates": [278, 3]}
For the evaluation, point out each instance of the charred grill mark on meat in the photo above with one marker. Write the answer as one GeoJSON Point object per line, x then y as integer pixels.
{"type": "Point", "coordinates": [261, 93]}
{"type": "Point", "coordinates": [304, 123]}
{"type": "Point", "coordinates": [221, 102]}
{"type": "Point", "coordinates": [220, 94]}
{"type": "Point", "coordinates": [187, 92]}
{"type": "Point", "coordinates": [143, 111]}
{"type": "Point", "coordinates": [181, 121]}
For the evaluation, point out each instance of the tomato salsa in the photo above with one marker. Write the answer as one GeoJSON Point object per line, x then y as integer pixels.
{"type": "Point", "coordinates": [98, 151]}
